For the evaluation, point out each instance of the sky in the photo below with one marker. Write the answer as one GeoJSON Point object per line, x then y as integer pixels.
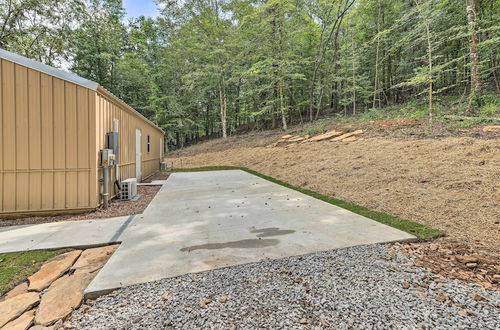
{"type": "Point", "coordinates": [136, 8]}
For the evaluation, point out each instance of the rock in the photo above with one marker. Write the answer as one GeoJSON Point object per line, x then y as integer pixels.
{"type": "Point", "coordinates": [204, 303]}
{"type": "Point", "coordinates": [165, 297]}
{"type": "Point", "coordinates": [325, 136]}
{"type": "Point", "coordinates": [23, 322]}
{"type": "Point", "coordinates": [52, 270]}
{"type": "Point", "coordinates": [476, 297]}
{"type": "Point", "coordinates": [462, 312]}
{"type": "Point", "coordinates": [62, 296]}
{"type": "Point", "coordinates": [467, 259]}
{"type": "Point", "coordinates": [303, 321]}
{"type": "Point", "coordinates": [494, 128]}
{"type": "Point", "coordinates": [442, 297]}
{"type": "Point", "coordinates": [137, 320]}
{"type": "Point", "coordinates": [324, 323]}
{"type": "Point", "coordinates": [405, 285]}
{"type": "Point", "coordinates": [189, 309]}
{"type": "Point", "coordinates": [93, 259]}
{"type": "Point", "coordinates": [21, 288]}
{"type": "Point", "coordinates": [223, 299]}
{"type": "Point", "coordinates": [471, 265]}
{"type": "Point", "coordinates": [16, 306]}
{"type": "Point", "coordinates": [41, 327]}
{"type": "Point", "coordinates": [167, 323]}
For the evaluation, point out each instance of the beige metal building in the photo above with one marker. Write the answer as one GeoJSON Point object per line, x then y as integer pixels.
{"type": "Point", "coordinates": [53, 125]}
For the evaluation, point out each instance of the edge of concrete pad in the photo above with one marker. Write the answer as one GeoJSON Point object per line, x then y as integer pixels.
{"type": "Point", "coordinates": [93, 294]}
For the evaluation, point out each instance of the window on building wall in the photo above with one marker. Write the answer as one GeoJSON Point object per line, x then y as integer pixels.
{"type": "Point", "coordinates": [149, 144]}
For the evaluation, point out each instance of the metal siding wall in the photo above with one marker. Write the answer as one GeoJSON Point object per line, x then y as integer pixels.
{"type": "Point", "coordinates": [47, 143]}
{"type": "Point", "coordinates": [128, 121]}
{"type": "Point", "coordinates": [9, 136]}
{"type": "Point", "coordinates": [34, 133]}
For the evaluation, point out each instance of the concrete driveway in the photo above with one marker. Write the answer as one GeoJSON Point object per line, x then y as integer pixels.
{"type": "Point", "coordinates": [202, 221]}
{"type": "Point", "coordinates": [206, 220]}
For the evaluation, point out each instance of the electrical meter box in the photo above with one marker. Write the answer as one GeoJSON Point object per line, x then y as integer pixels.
{"type": "Point", "coordinates": [107, 157]}
{"type": "Point", "coordinates": [112, 138]}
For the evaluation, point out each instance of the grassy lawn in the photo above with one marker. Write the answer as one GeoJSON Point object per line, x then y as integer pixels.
{"type": "Point", "coordinates": [16, 267]}
{"type": "Point", "coordinates": [412, 227]}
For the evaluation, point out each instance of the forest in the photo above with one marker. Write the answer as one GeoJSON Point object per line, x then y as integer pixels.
{"type": "Point", "coordinates": [213, 68]}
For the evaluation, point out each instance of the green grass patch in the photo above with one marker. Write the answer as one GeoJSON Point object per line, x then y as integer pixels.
{"type": "Point", "coordinates": [18, 266]}
{"type": "Point", "coordinates": [412, 227]}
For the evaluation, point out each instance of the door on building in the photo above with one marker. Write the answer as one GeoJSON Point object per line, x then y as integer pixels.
{"type": "Point", "coordinates": [138, 154]}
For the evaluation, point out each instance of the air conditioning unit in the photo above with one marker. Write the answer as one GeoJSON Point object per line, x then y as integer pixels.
{"type": "Point", "coordinates": [163, 166]}
{"type": "Point", "coordinates": [128, 189]}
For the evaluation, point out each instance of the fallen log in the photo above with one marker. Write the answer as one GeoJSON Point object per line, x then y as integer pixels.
{"type": "Point", "coordinates": [325, 136]}
{"type": "Point", "coordinates": [346, 135]}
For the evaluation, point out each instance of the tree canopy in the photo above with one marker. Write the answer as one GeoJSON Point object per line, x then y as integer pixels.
{"type": "Point", "coordinates": [206, 68]}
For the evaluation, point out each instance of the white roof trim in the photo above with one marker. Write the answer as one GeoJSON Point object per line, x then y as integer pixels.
{"type": "Point", "coordinates": [65, 75]}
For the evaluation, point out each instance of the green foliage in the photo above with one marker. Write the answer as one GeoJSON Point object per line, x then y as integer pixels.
{"type": "Point", "coordinates": [419, 230]}
{"type": "Point", "coordinates": [16, 267]}
{"type": "Point", "coordinates": [206, 68]}
{"type": "Point", "coordinates": [491, 105]}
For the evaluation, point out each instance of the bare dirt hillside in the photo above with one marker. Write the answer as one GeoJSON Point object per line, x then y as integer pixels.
{"type": "Point", "coordinates": [450, 183]}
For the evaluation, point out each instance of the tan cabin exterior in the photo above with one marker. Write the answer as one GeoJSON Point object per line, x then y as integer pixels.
{"type": "Point", "coordinates": [53, 125]}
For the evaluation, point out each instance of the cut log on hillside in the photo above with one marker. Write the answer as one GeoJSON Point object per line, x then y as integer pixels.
{"type": "Point", "coordinates": [285, 137]}
{"type": "Point", "coordinates": [350, 139]}
{"type": "Point", "coordinates": [346, 135]}
{"type": "Point", "coordinates": [297, 139]}
{"type": "Point", "coordinates": [495, 128]}
{"type": "Point", "coordinates": [325, 136]}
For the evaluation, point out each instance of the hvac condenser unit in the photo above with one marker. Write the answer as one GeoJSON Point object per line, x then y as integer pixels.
{"type": "Point", "coordinates": [128, 189]}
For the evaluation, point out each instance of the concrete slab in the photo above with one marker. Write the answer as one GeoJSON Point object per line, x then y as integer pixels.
{"type": "Point", "coordinates": [56, 235]}
{"type": "Point", "coordinates": [207, 220]}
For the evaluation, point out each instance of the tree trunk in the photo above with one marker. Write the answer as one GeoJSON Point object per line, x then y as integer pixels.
{"type": "Point", "coordinates": [282, 105]}
{"type": "Point", "coordinates": [223, 109]}
{"type": "Point", "coordinates": [375, 88]}
{"type": "Point", "coordinates": [474, 55]}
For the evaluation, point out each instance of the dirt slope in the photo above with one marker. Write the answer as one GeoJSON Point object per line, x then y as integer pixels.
{"type": "Point", "coordinates": [451, 183]}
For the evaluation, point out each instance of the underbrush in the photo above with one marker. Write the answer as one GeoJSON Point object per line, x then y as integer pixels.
{"type": "Point", "coordinates": [450, 112]}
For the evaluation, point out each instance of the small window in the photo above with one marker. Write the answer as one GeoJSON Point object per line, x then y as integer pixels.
{"type": "Point", "coordinates": [149, 144]}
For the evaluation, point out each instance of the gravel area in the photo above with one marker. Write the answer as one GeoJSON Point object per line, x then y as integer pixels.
{"type": "Point", "coordinates": [367, 287]}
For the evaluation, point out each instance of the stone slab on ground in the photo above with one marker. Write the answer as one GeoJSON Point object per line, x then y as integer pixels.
{"type": "Point", "coordinates": [95, 258]}
{"type": "Point", "coordinates": [17, 290]}
{"type": "Point", "coordinates": [52, 270]}
{"type": "Point", "coordinates": [65, 294]}
{"type": "Point", "coordinates": [12, 308]}
{"type": "Point", "coordinates": [23, 322]}
{"type": "Point", "coordinates": [207, 220]}
{"type": "Point", "coordinates": [84, 233]}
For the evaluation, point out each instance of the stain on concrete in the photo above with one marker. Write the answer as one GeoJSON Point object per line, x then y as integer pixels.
{"type": "Point", "coordinates": [270, 232]}
{"type": "Point", "coordinates": [241, 244]}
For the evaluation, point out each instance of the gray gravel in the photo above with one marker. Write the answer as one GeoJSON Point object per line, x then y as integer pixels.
{"type": "Point", "coordinates": [360, 287]}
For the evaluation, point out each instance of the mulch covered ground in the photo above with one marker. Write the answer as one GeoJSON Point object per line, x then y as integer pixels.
{"type": "Point", "coordinates": [456, 260]}
{"type": "Point", "coordinates": [116, 208]}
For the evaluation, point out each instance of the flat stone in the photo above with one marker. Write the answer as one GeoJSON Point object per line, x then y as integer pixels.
{"type": "Point", "coordinates": [93, 259]}
{"type": "Point", "coordinates": [23, 322]}
{"type": "Point", "coordinates": [52, 270]}
{"type": "Point", "coordinates": [20, 289]}
{"type": "Point", "coordinates": [41, 327]}
{"type": "Point", "coordinates": [16, 306]}
{"type": "Point", "coordinates": [62, 296]}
